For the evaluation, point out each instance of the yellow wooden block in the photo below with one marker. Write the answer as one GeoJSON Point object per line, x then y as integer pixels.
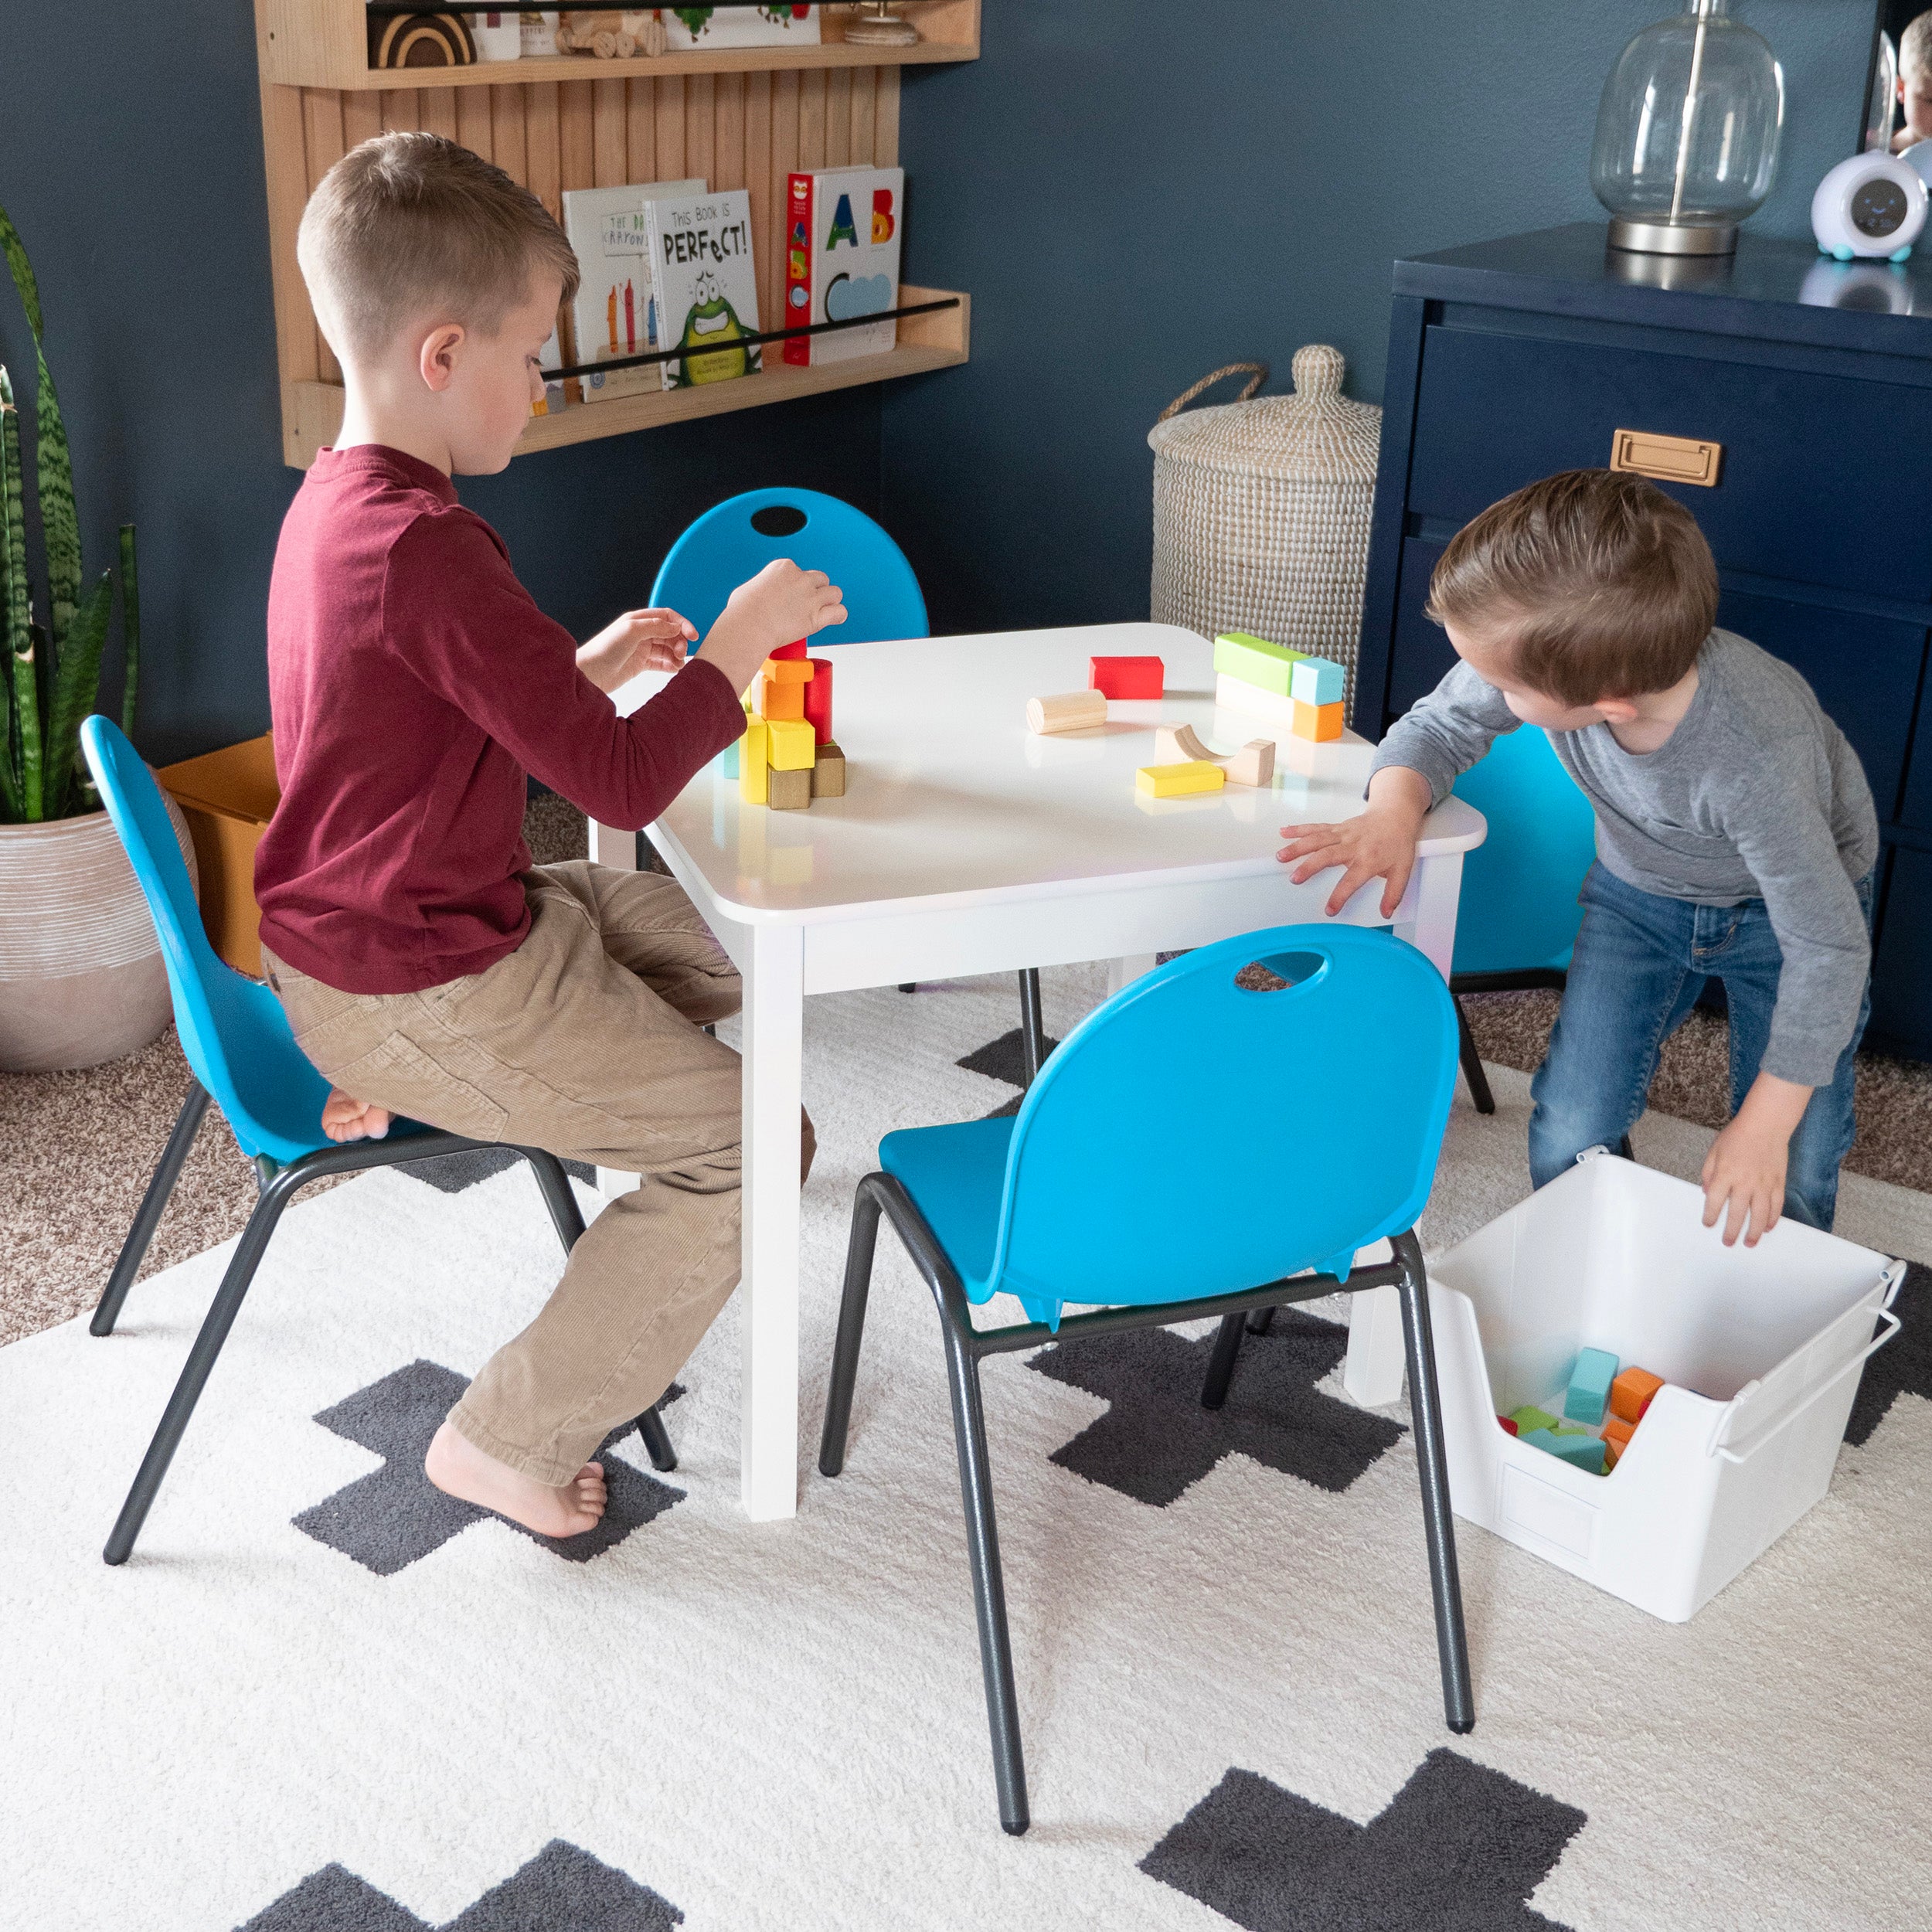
{"type": "Point", "coordinates": [754, 750]}
{"type": "Point", "coordinates": [791, 743]}
{"type": "Point", "coordinates": [789, 670]}
{"type": "Point", "coordinates": [1317, 723]}
{"type": "Point", "coordinates": [781, 702]}
{"type": "Point", "coordinates": [1176, 781]}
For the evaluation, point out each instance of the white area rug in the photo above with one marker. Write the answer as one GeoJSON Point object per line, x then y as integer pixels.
{"type": "Point", "coordinates": [747, 1727]}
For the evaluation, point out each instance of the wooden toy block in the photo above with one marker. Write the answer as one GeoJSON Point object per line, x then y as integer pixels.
{"type": "Point", "coordinates": [819, 700]}
{"type": "Point", "coordinates": [1070, 710]}
{"type": "Point", "coordinates": [788, 670]}
{"type": "Point", "coordinates": [1319, 723]}
{"type": "Point", "coordinates": [1319, 680]}
{"type": "Point", "coordinates": [1231, 694]}
{"type": "Point", "coordinates": [1508, 1425]}
{"type": "Point", "coordinates": [1617, 1435]}
{"type": "Point", "coordinates": [794, 650]}
{"type": "Point", "coordinates": [1580, 1451]}
{"type": "Point", "coordinates": [1178, 745]}
{"type": "Point", "coordinates": [728, 758]}
{"type": "Point", "coordinates": [789, 744]}
{"type": "Point", "coordinates": [1588, 1394]}
{"type": "Point", "coordinates": [828, 774]}
{"type": "Point", "coordinates": [1530, 1417]}
{"type": "Point", "coordinates": [1253, 765]}
{"type": "Point", "coordinates": [1251, 660]}
{"type": "Point", "coordinates": [781, 702]}
{"type": "Point", "coordinates": [1178, 781]}
{"type": "Point", "coordinates": [791, 789]}
{"type": "Point", "coordinates": [1633, 1392]}
{"type": "Point", "coordinates": [754, 770]}
{"type": "Point", "coordinates": [1126, 677]}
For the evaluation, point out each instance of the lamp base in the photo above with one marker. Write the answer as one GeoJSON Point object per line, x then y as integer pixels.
{"type": "Point", "coordinates": [1674, 238]}
{"type": "Point", "coordinates": [880, 30]}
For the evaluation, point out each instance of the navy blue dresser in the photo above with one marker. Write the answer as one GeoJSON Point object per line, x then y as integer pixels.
{"type": "Point", "coordinates": [1511, 359]}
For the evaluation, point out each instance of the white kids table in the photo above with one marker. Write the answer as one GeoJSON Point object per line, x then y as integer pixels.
{"type": "Point", "coordinates": [965, 845]}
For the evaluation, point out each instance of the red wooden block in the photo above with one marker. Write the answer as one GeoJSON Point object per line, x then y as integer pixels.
{"type": "Point", "coordinates": [1126, 677]}
{"type": "Point", "coordinates": [1507, 1424]}
{"type": "Point", "coordinates": [795, 649]}
{"type": "Point", "coordinates": [818, 700]}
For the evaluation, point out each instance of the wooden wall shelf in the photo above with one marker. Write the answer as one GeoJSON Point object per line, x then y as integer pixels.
{"type": "Point", "coordinates": [741, 118]}
{"type": "Point", "coordinates": [324, 44]}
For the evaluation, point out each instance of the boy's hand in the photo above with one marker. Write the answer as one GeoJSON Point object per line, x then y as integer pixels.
{"type": "Point", "coordinates": [1743, 1173]}
{"type": "Point", "coordinates": [1379, 844]}
{"type": "Point", "coordinates": [639, 640]}
{"type": "Point", "coordinates": [781, 603]}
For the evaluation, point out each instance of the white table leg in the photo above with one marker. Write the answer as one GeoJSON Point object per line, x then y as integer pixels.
{"type": "Point", "coordinates": [1438, 883]}
{"type": "Point", "coordinates": [773, 1056]}
{"type": "Point", "coordinates": [609, 846]}
{"type": "Point", "coordinates": [1122, 972]}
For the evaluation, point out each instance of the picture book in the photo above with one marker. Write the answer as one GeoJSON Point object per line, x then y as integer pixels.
{"type": "Point", "coordinates": [704, 286]}
{"type": "Point", "coordinates": [550, 357]}
{"type": "Point", "coordinates": [841, 259]}
{"type": "Point", "coordinates": [793, 24]}
{"type": "Point", "coordinates": [612, 314]}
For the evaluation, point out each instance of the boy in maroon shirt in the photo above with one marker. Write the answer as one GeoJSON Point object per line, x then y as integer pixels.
{"type": "Point", "coordinates": [427, 967]}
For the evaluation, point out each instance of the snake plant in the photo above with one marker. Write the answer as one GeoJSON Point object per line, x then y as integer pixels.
{"type": "Point", "coordinates": [53, 670]}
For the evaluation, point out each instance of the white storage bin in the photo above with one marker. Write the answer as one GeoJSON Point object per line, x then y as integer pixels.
{"type": "Point", "coordinates": [1761, 1348]}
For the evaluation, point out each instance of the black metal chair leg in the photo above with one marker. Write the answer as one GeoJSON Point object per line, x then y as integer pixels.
{"type": "Point", "coordinates": [1260, 1321]}
{"type": "Point", "coordinates": [555, 1184]}
{"type": "Point", "coordinates": [909, 986]}
{"type": "Point", "coordinates": [153, 1204]}
{"type": "Point", "coordinates": [852, 1329]}
{"type": "Point", "coordinates": [989, 1588]}
{"type": "Point", "coordinates": [201, 1359]}
{"type": "Point", "coordinates": [657, 1440]}
{"type": "Point", "coordinates": [1472, 1063]}
{"type": "Point", "coordinates": [1032, 1030]}
{"type": "Point", "coordinates": [1425, 1414]}
{"type": "Point", "coordinates": [1227, 1345]}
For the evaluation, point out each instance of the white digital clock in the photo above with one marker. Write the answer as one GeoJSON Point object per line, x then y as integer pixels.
{"type": "Point", "coordinates": [1871, 205]}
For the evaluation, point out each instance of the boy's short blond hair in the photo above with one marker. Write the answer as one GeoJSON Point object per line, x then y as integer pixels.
{"type": "Point", "coordinates": [1915, 45]}
{"type": "Point", "coordinates": [410, 227]}
{"type": "Point", "coordinates": [1597, 584]}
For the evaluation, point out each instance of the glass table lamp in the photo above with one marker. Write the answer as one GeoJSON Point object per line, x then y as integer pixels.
{"type": "Point", "coordinates": [1687, 133]}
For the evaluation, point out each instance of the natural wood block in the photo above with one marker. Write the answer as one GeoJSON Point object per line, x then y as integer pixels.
{"type": "Point", "coordinates": [1070, 710]}
{"type": "Point", "coordinates": [828, 774]}
{"type": "Point", "coordinates": [1126, 677]}
{"type": "Point", "coordinates": [1318, 723]}
{"type": "Point", "coordinates": [1253, 765]}
{"type": "Point", "coordinates": [1233, 694]}
{"type": "Point", "coordinates": [1178, 781]}
{"type": "Point", "coordinates": [753, 767]}
{"type": "Point", "coordinates": [1178, 745]}
{"type": "Point", "coordinates": [781, 702]}
{"type": "Point", "coordinates": [790, 745]}
{"type": "Point", "coordinates": [791, 790]}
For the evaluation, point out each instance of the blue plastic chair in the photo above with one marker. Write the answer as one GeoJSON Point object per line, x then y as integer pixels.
{"type": "Point", "coordinates": [245, 1059]}
{"type": "Point", "coordinates": [737, 538]}
{"type": "Point", "coordinates": [1516, 919]}
{"type": "Point", "coordinates": [1099, 1192]}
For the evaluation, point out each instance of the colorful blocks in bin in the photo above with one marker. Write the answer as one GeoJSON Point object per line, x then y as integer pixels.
{"type": "Point", "coordinates": [1179, 782]}
{"type": "Point", "coordinates": [1588, 1394]}
{"type": "Point", "coordinates": [1318, 681]}
{"type": "Point", "coordinates": [1529, 1417]}
{"type": "Point", "coordinates": [1507, 1424]}
{"type": "Point", "coordinates": [1319, 723]}
{"type": "Point", "coordinates": [1268, 667]}
{"type": "Point", "coordinates": [1126, 677]}
{"type": "Point", "coordinates": [790, 745]}
{"type": "Point", "coordinates": [1617, 1435]}
{"type": "Point", "coordinates": [1633, 1392]}
{"type": "Point", "coordinates": [1580, 1451]}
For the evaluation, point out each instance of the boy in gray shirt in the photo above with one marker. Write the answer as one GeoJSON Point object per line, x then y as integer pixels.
{"type": "Point", "coordinates": [1735, 835]}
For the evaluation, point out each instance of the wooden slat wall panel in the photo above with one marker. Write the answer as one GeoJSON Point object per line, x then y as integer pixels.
{"type": "Point", "coordinates": [297, 344]}
{"type": "Point", "coordinates": [473, 120]}
{"type": "Point", "coordinates": [322, 146]}
{"type": "Point", "coordinates": [439, 112]}
{"type": "Point", "coordinates": [701, 129]}
{"type": "Point", "coordinates": [577, 135]}
{"type": "Point", "coordinates": [507, 131]}
{"type": "Point", "coordinates": [670, 129]}
{"type": "Point", "coordinates": [610, 134]}
{"type": "Point", "coordinates": [402, 111]}
{"type": "Point", "coordinates": [884, 141]}
{"type": "Point", "coordinates": [838, 118]}
{"type": "Point", "coordinates": [865, 102]}
{"type": "Point", "coordinates": [640, 118]}
{"type": "Point", "coordinates": [362, 119]}
{"type": "Point", "coordinates": [728, 146]}
{"type": "Point", "coordinates": [543, 147]}
{"type": "Point", "coordinates": [767, 227]}
{"type": "Point", "coordinates": [811, 118]}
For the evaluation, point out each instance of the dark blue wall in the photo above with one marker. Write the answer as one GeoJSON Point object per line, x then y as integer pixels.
{"type": "Point", "coordinates": [134, 175]}
{"type": "Point", "coordinates": [1136, 191]}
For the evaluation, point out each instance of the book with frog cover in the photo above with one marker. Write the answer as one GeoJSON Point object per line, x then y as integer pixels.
{"type": "Point", "coordinates": [704, 284]}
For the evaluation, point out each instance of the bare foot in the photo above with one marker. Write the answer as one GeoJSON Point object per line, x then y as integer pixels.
{"type": "Point", "coordinates": [346, 1118]}
{"type": "Point", "coordinates": [459, 1468]}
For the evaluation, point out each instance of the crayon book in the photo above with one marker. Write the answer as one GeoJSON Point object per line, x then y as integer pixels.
{"type": "Point", "coordinates": [704, 286]}
{"type": "Point", "coordinates": [841, 259]}
{"type": "Point", "coordinates": [612, 314]}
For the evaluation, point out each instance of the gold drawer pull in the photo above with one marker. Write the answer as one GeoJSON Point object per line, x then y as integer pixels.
{"type": "Point", "coordinates": [1670, 459]}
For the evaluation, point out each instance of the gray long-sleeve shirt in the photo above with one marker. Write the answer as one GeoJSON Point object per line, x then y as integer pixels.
{"type": "Point", "coordinates": [1755, 795]}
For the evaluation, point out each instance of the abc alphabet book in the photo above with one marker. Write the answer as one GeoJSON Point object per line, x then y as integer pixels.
{"type": "Point", "coordinates": [704, 285]}
{"type": "Point", "coordinates": [612, 314]}
{"type": "Point", "coordinates": [841, 259]}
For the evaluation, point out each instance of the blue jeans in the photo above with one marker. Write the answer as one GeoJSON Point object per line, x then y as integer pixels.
{"type": "Point", "coordinates": [1640, 963]}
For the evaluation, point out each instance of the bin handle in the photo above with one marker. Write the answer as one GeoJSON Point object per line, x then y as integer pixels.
{"type": "Point", "coordinates": [1894, 1275]}
{"type": "Point", "coordinates": [1256, 373]}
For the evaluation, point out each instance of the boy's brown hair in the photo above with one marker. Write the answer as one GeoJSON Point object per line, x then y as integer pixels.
{"type": "Point", "coordinates": [410, 226]}
{"type": "Point", "coordinates": [1598, 584]}
{"type": "Point", "coordinates": [1915, 45]}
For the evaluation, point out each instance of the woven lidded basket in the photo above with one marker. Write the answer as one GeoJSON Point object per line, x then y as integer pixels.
{"type": "Point", "coordinates": [1261, 510]}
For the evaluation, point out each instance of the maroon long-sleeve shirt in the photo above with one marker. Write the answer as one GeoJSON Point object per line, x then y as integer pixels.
{"type": "Point", "coordinates": [413, 684]}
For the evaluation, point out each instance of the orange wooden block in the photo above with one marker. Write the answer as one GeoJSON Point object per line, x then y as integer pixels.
{"type": "Point", "coordinates": [1632, 1392]}
{"type": "Point", "coordinates": [1317, 723]}
{"type": "Point", "coordinates": [781, 702]}
{"type": "Point", "coordinates": [788, 670]}
{"type": "Point", "coordinates": [1617, 1435]}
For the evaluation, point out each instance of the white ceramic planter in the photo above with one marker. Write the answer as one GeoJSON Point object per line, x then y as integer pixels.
{"type": "Point", "coordinates": [81, 977]}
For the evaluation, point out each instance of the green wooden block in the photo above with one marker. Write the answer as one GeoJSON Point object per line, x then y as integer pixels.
{"type": "Point", "coordinates": [1588, 1395]}
{"type": "Point", "coordinates": [1527, 1419]}
{"type": "Point", "coordinates": [1268, 667]}
{"type": "Point", "coordinates": [1580, 1451]}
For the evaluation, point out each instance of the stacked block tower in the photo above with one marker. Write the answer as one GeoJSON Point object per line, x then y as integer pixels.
{"type": "Point", "coordinates": [1291, 688]}
{"type": "Point", "coordinates": [787, 756]}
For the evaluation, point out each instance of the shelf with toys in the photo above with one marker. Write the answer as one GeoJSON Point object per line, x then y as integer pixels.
{"type": "Point", "coordinates": [736, 118]}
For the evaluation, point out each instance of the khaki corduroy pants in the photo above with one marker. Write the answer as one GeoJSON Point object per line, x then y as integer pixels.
{"type": "Point", "coordinates": [586, 1041]}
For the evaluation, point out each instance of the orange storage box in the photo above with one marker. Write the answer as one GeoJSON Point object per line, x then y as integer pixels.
{"type": "Point", "coordinates": [228, 798]}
